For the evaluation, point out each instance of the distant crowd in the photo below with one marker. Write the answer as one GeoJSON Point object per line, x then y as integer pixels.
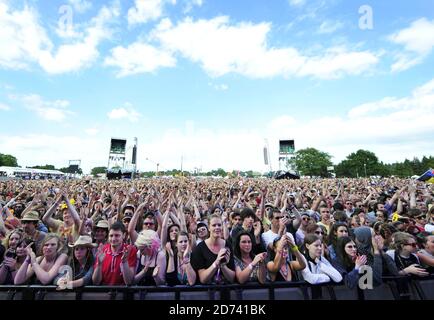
{"type": "Point", "coordinates": [188, 231]}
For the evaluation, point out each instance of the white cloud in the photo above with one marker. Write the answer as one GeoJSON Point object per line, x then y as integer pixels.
{"type": "Point", "coordinates": [4, 107]}
{"type": "Point", "coordinates": [191, 4]}
{"type": "Point", "coordinates": [48, 110]}
{"type": "Point", "coordinates": [80, 6]}
{"type": "Point", "coordinates": [39, 149]}
{"type": "Point", "coordinates": [330, 26]}
{"type": "Point", "coordinates": [392, 133]}
{"type": "Point", "coordinates": [223, 48]}
{"type": "Point", "coordinates": [219, 87]}
{"type": "Point", "coordinates": [394, 128]}
{"type": "Point", "coordinates": [418, 42]}
{"type": "Point", "coordinates": [78, 55]}
{"type": "Point", "coordinates": [144, 11]}
{"type": "Point", "coordinates": [24, 41]}
{"type": "Point", "coordinates": [138, 58]}
{"type": "Point", "coordinates": [297, 3]}
{"type": "Point", "coordinates": [91, 131]}
{"type": "Point", "coordinates": [126, 112]}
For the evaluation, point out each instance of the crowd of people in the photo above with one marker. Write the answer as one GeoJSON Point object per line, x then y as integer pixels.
{"type": "Point", "coordinates": [188, 231]}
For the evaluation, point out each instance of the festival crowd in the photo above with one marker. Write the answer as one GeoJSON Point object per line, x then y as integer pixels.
{"type": "Point", "coordinates": [188, 231]}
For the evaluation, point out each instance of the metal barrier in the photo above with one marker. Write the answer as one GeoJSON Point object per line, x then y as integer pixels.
{"type": "Point", "coordinates": [393, 288]}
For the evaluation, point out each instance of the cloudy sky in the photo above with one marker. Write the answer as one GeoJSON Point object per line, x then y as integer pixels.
{"type": "Point", "coordinates": [209, 80]}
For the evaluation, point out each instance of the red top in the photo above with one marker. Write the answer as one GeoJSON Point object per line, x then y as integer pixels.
{"type": "Point", "coordinates": [111, 266]}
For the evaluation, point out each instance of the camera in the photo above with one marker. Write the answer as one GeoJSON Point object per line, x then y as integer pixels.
{"type": "Point", "coordinates": [11, 254]}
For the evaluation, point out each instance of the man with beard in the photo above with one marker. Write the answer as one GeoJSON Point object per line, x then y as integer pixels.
{"type": "Point", "coordinates": [30, 222]}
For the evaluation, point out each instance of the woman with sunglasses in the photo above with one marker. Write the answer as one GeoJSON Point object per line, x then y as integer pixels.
{"type": "Point", "coordinates": [320, 232]}
{"type": "Point", "coordinates": [426, 255]}
{"type": "Point", "coordinates": [405, 256]}
{"type": "Point", "coordinates": [347, 261]}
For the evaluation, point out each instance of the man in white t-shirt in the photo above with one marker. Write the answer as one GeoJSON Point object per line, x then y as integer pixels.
{"type": "Point", "coordinates": [278, 227]}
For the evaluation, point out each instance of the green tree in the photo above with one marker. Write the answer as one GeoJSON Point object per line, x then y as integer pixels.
{"type": "Point", "coordinates": [359, 164]}
{"type": "Point", "coordinates": [312, 162]}
{"type": "Point", "coordinates": [97, 170]}
{"type": "Point", "coordinates": [8, 161]}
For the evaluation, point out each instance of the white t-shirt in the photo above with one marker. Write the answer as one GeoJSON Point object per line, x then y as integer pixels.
{"type": "Point", "coordinates": [429, 228]}
{"type": "Point", "coordinates": [299, 237]}
{"type": "Point", "coordinates": [268, 237]}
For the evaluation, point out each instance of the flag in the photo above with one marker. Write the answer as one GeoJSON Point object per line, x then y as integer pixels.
{"type": "Point", "coordinates": [428, 176]}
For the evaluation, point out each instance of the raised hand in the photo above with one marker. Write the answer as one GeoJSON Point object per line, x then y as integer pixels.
{"type": "Point", "coordinates": [361, 261]}
{"type": "Point", "coordinates": [100, 254]}
{"type": "Point", "coordinates": [125, 254]}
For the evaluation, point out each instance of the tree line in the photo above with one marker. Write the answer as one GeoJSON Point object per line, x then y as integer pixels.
{"type": "Point", "coordinates": [362, 163]}
{"type": "Point", "coordinates": [306, 162]}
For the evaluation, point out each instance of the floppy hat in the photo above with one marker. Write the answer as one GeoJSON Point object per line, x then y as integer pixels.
{"type": "Point", "coordinates": [102, 224]}
{"type": "Point", "coordinates": [31, 216]}
{"type": "Point", "coordinates": [85, 241]}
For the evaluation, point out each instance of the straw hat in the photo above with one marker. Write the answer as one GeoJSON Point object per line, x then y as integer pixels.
{"type": "Point", "coordinates": [31, 216]}
{"type": "Point", "coordinates": [103, 224]}
{"type": "Point", "coordinates": [85, 241]}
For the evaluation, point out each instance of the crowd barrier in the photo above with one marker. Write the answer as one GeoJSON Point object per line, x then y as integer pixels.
{"type": "Point", "coordinates": [393, 288]}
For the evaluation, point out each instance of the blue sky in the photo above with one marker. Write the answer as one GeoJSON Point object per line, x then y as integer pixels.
{"type": "Point", "coordinates": [210, 80]}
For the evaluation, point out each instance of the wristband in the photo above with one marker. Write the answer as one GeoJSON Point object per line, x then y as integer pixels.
{"type": "Point", "coordinates": [251, 267]}
{"type": "Point", "coordinates": [294, 248]}
{"type": "Point", "coordinates": [28, 260]}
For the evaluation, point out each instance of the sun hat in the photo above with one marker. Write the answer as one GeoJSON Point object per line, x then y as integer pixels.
{"type": "Point", "coordinates": [84, 241]}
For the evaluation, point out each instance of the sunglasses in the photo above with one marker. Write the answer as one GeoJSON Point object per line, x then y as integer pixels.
{"type": "Point", "coordinates": [319, 232]}
{"type": "Point", "coordinates": [306, 219]}
{"type": "Point", "coordinates": [149, 223]}
{"type": "Point", "coordinates": [414, 245]}
{"type": "Point", "coordinates": [278, 218]}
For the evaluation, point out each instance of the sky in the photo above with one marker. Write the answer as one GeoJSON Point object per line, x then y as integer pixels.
{"type": "Point", "coordinates": [210, 82]}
